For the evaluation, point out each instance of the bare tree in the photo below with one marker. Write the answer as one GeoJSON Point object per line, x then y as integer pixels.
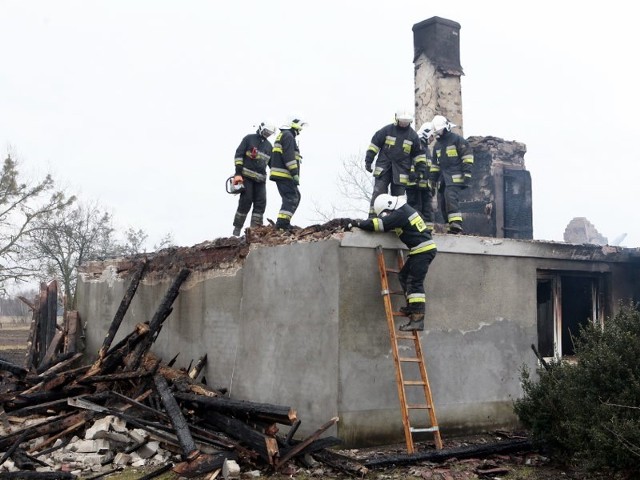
{"type": "Point", "coordinates": [64, 239]}
{"type": "Point", "coordinates": [355, 186]}
{"type": "Point", "coordinates": [22, 205]}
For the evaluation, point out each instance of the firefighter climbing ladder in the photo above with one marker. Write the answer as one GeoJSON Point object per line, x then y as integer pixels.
{"type": "Point", "coordinates": [405, 385]}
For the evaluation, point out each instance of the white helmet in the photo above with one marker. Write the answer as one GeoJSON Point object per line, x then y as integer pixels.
{"type": "Point", "coordinates": [403, 118]}
{"type": "Point", "coordinates": [385, 201]}
{"type": "Point", "coordinates": [266, 128]}
{"type": "Point", "coordinates": [426, 131]}
{"type": "Point", "coordinates": [294, 123]}
{"type": "Point", "coordinates": [440, 124]}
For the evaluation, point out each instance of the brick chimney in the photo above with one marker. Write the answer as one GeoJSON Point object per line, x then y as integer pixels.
{"type": "Point", "coordinates": [436, 59]}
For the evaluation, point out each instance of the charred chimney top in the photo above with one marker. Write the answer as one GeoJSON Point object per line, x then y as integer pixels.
{"type": "Point", "coordinates": [439, 40]}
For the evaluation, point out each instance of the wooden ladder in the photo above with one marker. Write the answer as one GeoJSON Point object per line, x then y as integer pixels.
{"type": "Point", "coordinates": [407, 361]}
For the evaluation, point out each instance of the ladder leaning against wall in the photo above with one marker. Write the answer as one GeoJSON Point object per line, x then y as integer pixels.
{"type": "Point", "coordinates": [411, 371]}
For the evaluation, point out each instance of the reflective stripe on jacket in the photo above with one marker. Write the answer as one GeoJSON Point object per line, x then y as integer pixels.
{"type": "Point", "coordinates": [396, 148]}
{"type": "Point", "coordinates": [286, 158]}
{"type": "Point", "coordinates": [252, 157]}
{"type": "Point", "coordinates": [452, 159]}
{"type": "Point", "coordinates": [407, 223]}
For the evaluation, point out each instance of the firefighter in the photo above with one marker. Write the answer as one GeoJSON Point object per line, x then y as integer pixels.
{"type": "Point", "coordinates": [451, 167]}
{"type": "Point", "coordinates": [252, 158]}
{"type": "Point", "coordinates": [393, 213]}
{"type": "Point", "coordinates": [397, 147]}
{"type": "Point", "coordinates": [285, 170]}
{"type": "Point", "coordinates": [420, 189]}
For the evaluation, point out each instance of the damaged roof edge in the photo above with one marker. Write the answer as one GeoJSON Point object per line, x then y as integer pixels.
{"type": "Point", "coordinates": [509, 247]}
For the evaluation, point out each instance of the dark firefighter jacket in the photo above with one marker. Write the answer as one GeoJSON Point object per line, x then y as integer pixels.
{"type": "Point", "coordinates": [452, 160]}
{"type": "Point", "coordinates": [252, 157]}
{"type": "Point", "coordinates": [421, 181]}
{"type": "Point", "coordinates": [397, 148]}
{"type": "Point", "coordinates": [407, 223]}
{"type": "Point", "coordinates": [286, 158]}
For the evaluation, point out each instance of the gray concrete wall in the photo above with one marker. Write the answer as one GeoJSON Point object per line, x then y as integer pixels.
{"type": "Point", "coordinates": [303, 325]}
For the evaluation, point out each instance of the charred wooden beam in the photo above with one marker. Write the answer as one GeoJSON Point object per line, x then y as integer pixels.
{"type": "Point", "coordinates": [13, 368]}
{"type": "Point", "coordinates": [182, 382]}
{"type": "Point", "coordinates": [203, 464]}
{"type": "Point", "coordinates": [116, 355]}
{"type": "Point", "coordinates": [341, 463]}
{"type": "Point", "coordinates": [173, 360]}
{"type": "Point", "coordinates": [298, 448]}
{"type": "Point", "coordinates": [238, 430]}
{"type": "Point", "coordinates": [48, 428]}
{"type": "Point", "coordinates": [55, 405]}
{"type": "Point", "coordinates": [72, 330]}
{"type": "Point", "coordinates": [122, 309]}
{"type": "Point", "coordinates": [197, 368]}
{"type": "Point", "coordinates": [292, 431]}
{"type": "Point", "coordinates": [53, 348]}
{"type": "Point", "coordinates": [155, 325]}
{"type": "Point", "coordinates": [117, 377]}
{"type": "Point", "coordinates": [178, 421]}
{"type": "Point", "coordinates": [60, 365]}
{"type": "Point", "coordinates": [246, 409]}
{"type": "Point", "coordinates": [24, 461]}
{"type": "Point", "coordinates": [13, 447]}
{"type": "Point", "coordinates": [460, 453]}
{"type": "Point", "coordinates": [38, 476]}
{"type": "Point", "coordinates": [29, 304]}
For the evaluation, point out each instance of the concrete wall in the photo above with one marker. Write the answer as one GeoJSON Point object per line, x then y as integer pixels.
{"type": "Point", "coordinates": [303, 325]}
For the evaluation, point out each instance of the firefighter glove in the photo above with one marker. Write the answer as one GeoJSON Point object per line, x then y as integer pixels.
{"type": "Point", "coordinates": [296, 179]}
{"type": "Point", "coordinates": [353, 223]}
{"type": "Point", "coordinates": [368, 166]}
{"type": "Point", "coordinates": [238, 179]}
{"type": "Point", "coordinates": [413, 177]}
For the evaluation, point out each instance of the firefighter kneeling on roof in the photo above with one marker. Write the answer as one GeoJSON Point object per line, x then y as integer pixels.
{"type": "Point", "coordinates": [393, 213]}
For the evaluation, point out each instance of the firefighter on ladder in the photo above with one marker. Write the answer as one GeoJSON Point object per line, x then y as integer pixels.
{"type": "Point", "coordinates": [393, 213]}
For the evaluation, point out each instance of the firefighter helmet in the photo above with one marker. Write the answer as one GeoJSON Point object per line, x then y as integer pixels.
{"type": "Point", "coordinates": [266, 128]}
{"type": "Point", "coordinates": [385, 202]}
{"type": "Point", "coordinates": [403, 118]}
{"type": "Point", "coordinates": [294, 123]}
{"type": "Point", "coordinates": [440, 124]}
{"type": "Point", "coordinates": [426, 131]}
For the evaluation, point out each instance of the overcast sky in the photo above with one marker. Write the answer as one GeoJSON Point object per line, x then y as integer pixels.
{"type": "Point", "coordinates": [140, 105]}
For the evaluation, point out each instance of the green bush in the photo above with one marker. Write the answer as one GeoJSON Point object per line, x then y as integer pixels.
{"type": "Point", "coordinates": [589, 411]}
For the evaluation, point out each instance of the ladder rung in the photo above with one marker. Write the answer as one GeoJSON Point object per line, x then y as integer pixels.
{"type": "Point", "coordinates": [419, 430]}
{"type": "Point", "coordinates": [421, 406]}
{"type": "Point", "coordinates": [414, 382]}
{"type": "Point", "coordinates": [399, 314]}
{"type": "Point", "coordinates": [393, 270]}
{"type": "Point", "coordinates": [405, 337]}
{"type": "Point", "coordinates": [410, 359]}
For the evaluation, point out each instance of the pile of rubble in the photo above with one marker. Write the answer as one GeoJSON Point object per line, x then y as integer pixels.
{"type": "Point", "coordinates": [59, 419]}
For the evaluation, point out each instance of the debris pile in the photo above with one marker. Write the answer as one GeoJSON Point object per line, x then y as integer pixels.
{"type": "Point", "coordinates": [59, 419]}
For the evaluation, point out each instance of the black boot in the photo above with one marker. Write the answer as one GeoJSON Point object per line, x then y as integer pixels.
{"type": "Point", "coordinates": [416, 322]}
{"type": "Point", "coordinates": [236, 231]}
{"type": "Point", "coordinates": [455, 228]}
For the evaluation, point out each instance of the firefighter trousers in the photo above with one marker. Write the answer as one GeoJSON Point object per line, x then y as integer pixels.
{"type": "Point", "coordinates": [290, 194]}
{"type": "Point", "coordinates": [255, 193]}
{"type": "Point", "coordinates": [449, 203]}
{"type": "Point", "coordinates": [381, 185]}
{"type": "Point", "coordinates": [412, 277]}
{"type": "Point", "coordinates": [420, 199]}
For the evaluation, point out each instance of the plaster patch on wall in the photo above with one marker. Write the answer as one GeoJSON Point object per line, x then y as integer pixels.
{"type": "Point", "coordinates": [481, 326]}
